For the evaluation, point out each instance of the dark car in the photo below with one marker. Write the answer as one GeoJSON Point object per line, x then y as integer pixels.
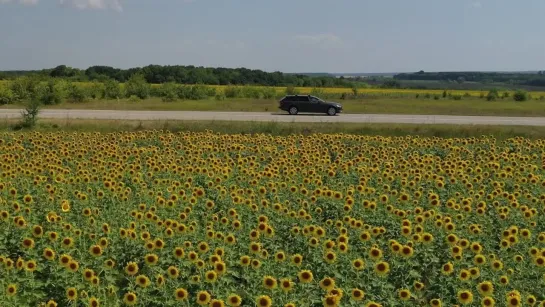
{"type": "Point", "coordinates": [309, 104]}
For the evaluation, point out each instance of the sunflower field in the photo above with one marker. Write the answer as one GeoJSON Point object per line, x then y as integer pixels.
{"type": "Point", "coordinates": [154, 218]}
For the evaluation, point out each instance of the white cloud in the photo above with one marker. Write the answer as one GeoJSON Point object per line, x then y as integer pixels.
{"type": "Point", "coordinates": [79, 4]}
{"type": "Point", "coordinates": [476, 4]}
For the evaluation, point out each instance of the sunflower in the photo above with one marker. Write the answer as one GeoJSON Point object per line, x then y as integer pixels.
{"type": "Point", "coordinates": [447, 268]}
{"type": "Point", "coordinates": [436, 303]}
{"type": "Point", "coordinates": [305, 276]}
{"type": "Point", "coordinates": [264, 301]}
{"type": "Point", "coordinates": [330, 257]}
{"type": "Point", "coordinates": [488, 302]}
{"type": "Point", "coordinates": [95, 250]}
{"type": "Point", "coordinates": [327, 283]}
{"type": "Point", "coordinates": [181, 294]}
{"type": "Point", "coordinates": [51, 303]}
{"type": "Point", "coordinates": [151, 259]}
{"type": "Point", "coordinates": [94, 302]}
{"type": "Point", "coordinates": [269, 282]}
{"type": "Point", "coordinates": [211, 276]}
{"type": "Point", "coordinates": [131, 268]}
{"type": "Point", "coordinates": [297, 259]}
{"type": "Point", "coordinates": [404, 294]}
{"type": "Point", "coordinates": [71, 294]}
{"type": "Point", "coordinates": [216, 303]}
{"type": "Point", "coordinates": [465, 297]}
{"type": "Point", "coordinates": [382, 268]}
{"type": "Point", "coordinates": [358, 264]}
{"type": "Point", "coordinates": [203, 298]}
{"type": "Point", "coordinates": [11, 290]}
{"type": "Point", "coordinates": [357, 294]}
{"type": "Point", "coordinates": [234, 300]}
{"type": "Point", "coordinates": [173, 272]}
{"type": "Point", "coordinates": [330, 301]}
{"type": "Point", "coordinates": [286, 284]}
{"type": "Point", "coordinates": [143, 281]}
{"type": "Point", "coordinates": [130, 299]}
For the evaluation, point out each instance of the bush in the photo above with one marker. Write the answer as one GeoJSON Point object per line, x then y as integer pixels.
{"type": "Point", "coordinates": [6, 96]}
{"type": "Point", "coordinates": [112, 89]}
{"type": "Point", "coordinates": [169, 92]}
{"type": "Point", "coordinates": [290, 90]}
{"type": "Point", "coordinates": [427, 96]}
{"type": "Point", "coordinates": [232, 92]}
{"type": "Point", "coordinates": [457, 97]}
{"type": "Point", "coordinates": [492, 95]}
{"type": "Point", "coordinates": [520, 95]}
{"type": "Point", "coordinates": [220, 96]}
{"type": "Point", "coordinates": [269, 93]}
{"type": "Point", "coordinates": [198, 92]}
{"type": "Point", "coordinates": [76, 93]}
{"type": "Point", "coordinates": [436, 97]}
{"type": "Point", "coordinates": [24, 87]}
{"type": "Point", "coordinates": [137, 86]}
{"type": "Point", "coordinates": [49, 94]}
{"type": "Point", "coordinates": [184, 92]}
{"type": "Point", "coordinates": [134, 98]}
{"type": "Point", "coordinates": [251, 92]}
{"type": "Point", "coordinates": [318, 92]}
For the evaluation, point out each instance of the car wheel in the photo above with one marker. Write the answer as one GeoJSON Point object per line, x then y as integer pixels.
{"type": "Point", "coordinates": [293, 111]}
{"type": "Point", "coordinates": [331, 111]}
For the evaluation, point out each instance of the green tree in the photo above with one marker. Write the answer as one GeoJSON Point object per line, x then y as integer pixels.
{"type": "Point", "coordinates": [137, 86]}
{"type": "Point", "coordinates": [169, 91]}
{"type": "Point", "coordinates": [112, 89]}
{"type": "Point", "coordinates": [76, 93]}
{"type": "Point", "coordinates": [6, 96]}
{"type": "Point", "coordinates": [520, 95]}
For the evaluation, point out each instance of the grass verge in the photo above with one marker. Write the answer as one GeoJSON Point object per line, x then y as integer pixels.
{"type": "Point", "coordinates": [467, 106]}
{"type": "Point", "coordinates": [275, 128]}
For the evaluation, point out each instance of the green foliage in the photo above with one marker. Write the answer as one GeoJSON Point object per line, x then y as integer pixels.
{"type": "Point", "coordinates": [137, 86]}
{"type": "Point", "coordinates": [198, 92]}
{"type": "Point", "coordinates": [457, 97]}
{"type": "Point", "coordinates": [97, 90]}
{"type": "Point", "coordinates": [444, 94]}
{"type": "Point", "coordinates": [492, 95]}
{"type": "Point", "coordinates": [269, 93]}
{"type": "Point", "coordinates": [251, 92]}
{"type": "Point", "coordinates": [290, 90]}
{"type": "Point", "coordinates": [169, 92]}
{"type": "Point", "coordinates": [520, 96]}
{"type": "Point", "coordinates": [134, 98]}
{"type": "Point", "coordinates": [6, 96]}
{"type": "Point", "coordinates": [76, 93]}
{"type": "Point", "coordinates": [29, 114]}
{"type": "Point", "coordinates": [24, 87]}
{"type": "Point", "coordinates": [112, 89]}
{"type": "Point", "coordinates": [318, 92]}
{"type": "Point", "coordinates": [48, 94]}
{"type": "Point", "coordinates": [232, 92]}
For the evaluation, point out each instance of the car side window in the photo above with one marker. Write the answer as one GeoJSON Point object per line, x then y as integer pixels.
{"type": "Point", "coordinates": [314, 99]}
{"type": "Point", "coordinates": [303, 98]}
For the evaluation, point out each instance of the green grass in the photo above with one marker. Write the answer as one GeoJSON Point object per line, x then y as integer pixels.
{"type": "Point", "coordinates": [467, 106]}
{"type": "Point", "coordinates": [275, 128]}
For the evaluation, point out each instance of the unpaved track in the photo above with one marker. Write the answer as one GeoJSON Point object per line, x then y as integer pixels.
{"type": "Point", "coordinates": [279, 117]}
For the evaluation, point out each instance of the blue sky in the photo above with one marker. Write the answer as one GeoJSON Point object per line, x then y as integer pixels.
{"type": "Point", "coordinates": [284, 35]}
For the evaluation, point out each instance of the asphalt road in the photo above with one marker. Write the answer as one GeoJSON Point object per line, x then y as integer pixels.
{"type": "Point", "coordinates": [280, 117]}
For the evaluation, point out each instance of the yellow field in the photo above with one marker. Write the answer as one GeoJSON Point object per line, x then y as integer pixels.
{"type": "Point", "coordinates": [370, 91]}
{"type": "Point", "coordinates": [161, 219]}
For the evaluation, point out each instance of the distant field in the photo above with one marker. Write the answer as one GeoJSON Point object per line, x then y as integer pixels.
{"type": "Point", "coordinates": [361, 91]}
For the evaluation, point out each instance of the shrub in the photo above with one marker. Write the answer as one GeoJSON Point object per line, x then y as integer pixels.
{"type": "Point", "coordinates": [251, 92]}
{"type": "Point", "coordinates": [169, 92]}
{"type": "Point", "coordinates": [492, 95]}
{"type": "Point", "coordinates": [198, 92]}
{"type": "Point", "coordinates": [134, 98]}
{"type": "Point", "coordinates": [436, 97]}
{"type": "Point", "coordinates": [76, 93]}
{"type": "Point", "coordinates": [269, 93]}
{"type": "Point", "coordinates": [220, 96]}
{"type": "Point", "coordinates": [112, 89]}
{"type": "Point", "coordinates": [24, 87]}
{"type": "Point", "coordinates": [48, 94]}
{"type": "Point", "coordinates": [6, 96]}
{"type": "Point", "coordinates": [232, 92]}
{"type": "Point", "coordinates": [520, 95]}
{"type": "Point", "coordinates": [184, 92]}
{"type": "Point", "coordinates": [290, 90]}
{"type": "Point", "coordinates": [318, 92]}
{"type": "Point", "coordinates": [137, 86]}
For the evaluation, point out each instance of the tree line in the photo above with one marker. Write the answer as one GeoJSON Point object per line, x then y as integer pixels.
{"type": "Point", "coordinates": [530, 79]}
{"type": "Point", "coordinates": [158, 74]}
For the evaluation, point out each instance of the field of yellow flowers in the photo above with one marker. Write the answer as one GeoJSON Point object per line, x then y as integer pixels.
{"type": "Point", "coordinates": [159, 219]}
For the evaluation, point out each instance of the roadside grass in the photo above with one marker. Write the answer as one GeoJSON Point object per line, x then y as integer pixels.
{"type": "Point", "coordinates": [467, 106]}
{"type": "Point", "coordinates": [276, 128]}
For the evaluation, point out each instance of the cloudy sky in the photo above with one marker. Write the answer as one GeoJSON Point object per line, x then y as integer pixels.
{"type": "Point", "coordinates": [284, 35]}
